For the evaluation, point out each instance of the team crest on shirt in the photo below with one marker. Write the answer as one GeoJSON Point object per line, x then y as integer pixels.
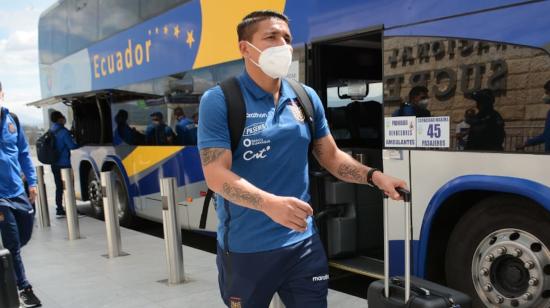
{"type": "Point", "coordinates": [11, 128]}
{"type": "Point", "coordinates": [235, 302]}
{"type": "Point", "coordinates": [297, 111]}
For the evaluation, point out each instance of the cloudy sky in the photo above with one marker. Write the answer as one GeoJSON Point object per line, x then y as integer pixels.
{"type": "Point", "coordinates": [19, 56]}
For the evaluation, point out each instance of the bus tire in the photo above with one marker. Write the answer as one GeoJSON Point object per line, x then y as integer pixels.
{"type": "Point", "coordinates": [125, 215]}
{"type": "Point", "coordinates": [94, 194]}
{"type": "Point", "coordinates": [498, 253]}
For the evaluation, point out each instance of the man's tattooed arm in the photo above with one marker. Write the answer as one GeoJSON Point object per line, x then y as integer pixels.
{"type": "Point", "coordinates": [210, 155]}
{"type": "Point", "coordinates": [241, 196]}
{"type": "Point", "coordinates": [356, 173]}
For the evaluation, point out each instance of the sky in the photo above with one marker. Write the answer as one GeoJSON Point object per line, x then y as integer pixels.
{"type": "Point", "coordinates": [19, 57]}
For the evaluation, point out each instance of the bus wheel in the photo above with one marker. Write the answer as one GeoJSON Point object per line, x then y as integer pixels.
{"type": "Point", "coordinates": [499, 254]}
{"type": "Point", "coordinates": [125, 216]}
{"type": "Point", "coordinates": [94, 194]}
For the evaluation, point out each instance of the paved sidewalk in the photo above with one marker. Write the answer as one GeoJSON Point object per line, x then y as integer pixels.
{"type": "Point", "coordinates": [68, 274]}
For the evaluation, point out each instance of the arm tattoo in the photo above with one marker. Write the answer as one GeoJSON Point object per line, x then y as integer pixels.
{"type": "Point", "coordinates": [242, 196]}
{"type": "Point", "coordinates": [209, 155]}
{"type": "Point", "coordinates": [352, 173]}
{"type": "Point", "coordinates": [318, 149]}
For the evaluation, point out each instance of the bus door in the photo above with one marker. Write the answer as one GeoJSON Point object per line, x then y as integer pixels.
{"type": "Point", "coordinates": [346, 72]}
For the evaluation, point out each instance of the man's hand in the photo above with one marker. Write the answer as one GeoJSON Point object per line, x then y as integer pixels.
{"type": "Point", "coordinates": [288, 211]}
{"type": "Point", "coordinates": [388, 184]}
{"type": "Point", "coordinates": [32, 194]}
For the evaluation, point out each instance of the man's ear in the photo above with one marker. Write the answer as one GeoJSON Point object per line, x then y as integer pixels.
{"type": "Point", "coordinates": [244, 49]}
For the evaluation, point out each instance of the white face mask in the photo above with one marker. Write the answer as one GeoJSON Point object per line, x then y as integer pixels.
{"type": "Point", "coordinates": [274, 61]}
{"type": "Point", "coordinates": [424, 103]}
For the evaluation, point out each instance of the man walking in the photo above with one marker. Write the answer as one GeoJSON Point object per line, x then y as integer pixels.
{"type": "Point", "coordinates": [16, 212]}
{"type": "Point", "coordinates": [266, 239]}
{"type": "Point", "coordinates": [64, 143]}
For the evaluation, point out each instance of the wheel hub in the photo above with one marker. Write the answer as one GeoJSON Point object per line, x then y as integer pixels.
{"type": "Point", "coordinates": [94, 192]}
{"type": "Point", "coordinates": [508, 270]}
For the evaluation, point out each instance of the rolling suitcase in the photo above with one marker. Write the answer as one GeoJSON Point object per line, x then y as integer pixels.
{"type": "Point", "coordinates": [404, 292]}
{"type": "Point", "coordinates": [9, 298]}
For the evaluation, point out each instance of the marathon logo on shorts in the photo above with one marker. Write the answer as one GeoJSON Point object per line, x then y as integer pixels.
{"type": "Point", "coordinates": [320, 278]}
{"type": "Point", "coordinates": [235, 302]}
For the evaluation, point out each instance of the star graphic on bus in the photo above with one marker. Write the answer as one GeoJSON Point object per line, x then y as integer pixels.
{"type": "Point", "coordinates": [177, 31]}
{"type": "Point", "coordinates": [165, 29]}
{"type": "Point", "coordinates": [190, 39]}
{"type": "Point", "coordinates": [157, 30]}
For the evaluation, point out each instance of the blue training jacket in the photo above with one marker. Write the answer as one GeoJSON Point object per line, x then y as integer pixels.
{"type": "Point", "coordinates": [544, 137]}
{"type": "Point", "coordinates": [14, 158]}
{"type": "Point", "coordinates": [64, 143]}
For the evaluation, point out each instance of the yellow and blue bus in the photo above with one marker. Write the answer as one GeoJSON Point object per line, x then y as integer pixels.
{"type": "Point", "coordinates": [481, 214]}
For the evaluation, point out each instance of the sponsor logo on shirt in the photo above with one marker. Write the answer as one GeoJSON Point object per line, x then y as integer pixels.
{"type": "Point", "coordinates": [256, 115]}
{"type": "Point", "coordinates": [296, 111]}
{"type": "Point", "coordinates": [252, 142]}
{"type": "Point", "coordinates": [320, 278]}
{"type": "Point", "coordinates": [261, 154]}
{"type": "Point", "coordinates": [254, 129]}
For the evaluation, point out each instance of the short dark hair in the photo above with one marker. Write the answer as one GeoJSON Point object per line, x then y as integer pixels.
{"type": "Point", "coordinates": [178, 111]}
{"type": "Point", "coordinates": [415, 91]}
{"type": "Point", "coordinates": [248, 26]}
{"type": "Point", "coordinates": [55, 116]}
{"type": "Point", "coordinates": [546, 86]}
{"type": "Point", "coordinates": [484, 96]}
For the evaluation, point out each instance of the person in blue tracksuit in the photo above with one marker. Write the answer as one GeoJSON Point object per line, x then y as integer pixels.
{"type": "Point", "coordinates": [16, 212]}
{"type": "Point", "coordinates": [64, 143]}
{"type": "Point", "coordinates": [545, 136]}
{"type": "Point", "coordinates": [266, 240]}
{"type": "Point", "coordinates": [417, 105]}
{"type": "Point", "coordinates": [186, 130]}
{"type": "Point", "coordinates": [158, 133]}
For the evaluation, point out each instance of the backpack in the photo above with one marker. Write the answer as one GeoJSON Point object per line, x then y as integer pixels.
{"type": "Point", "coordinates": [45, 148]}
{"type": "Point", "coordinates": [236, 119]}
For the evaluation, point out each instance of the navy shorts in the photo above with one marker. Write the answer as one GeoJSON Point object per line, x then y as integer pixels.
{"type": "Point", "coordinates": [298, 273]}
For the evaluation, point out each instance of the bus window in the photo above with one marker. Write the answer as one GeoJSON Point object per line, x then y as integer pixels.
{"type": "Point", "coordinates": [491, 92]}
{"type": "Point", "coordinates": [117, 15]}
{"type": "Point", "coordinates": [355, 119]}
{"type": "Point", "coordinates": [82, 24]}
{"type": "Point", "coordinates": [141, 122]}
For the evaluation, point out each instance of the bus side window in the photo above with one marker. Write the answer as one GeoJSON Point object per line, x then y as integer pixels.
{"type": "Point", "coordinates": [492, 92]}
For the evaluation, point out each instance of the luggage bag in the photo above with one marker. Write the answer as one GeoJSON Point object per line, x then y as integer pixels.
{"type": "Point", "coordinates": [404, 291]}
{"type": "Point", "coordinates": [9, 298]}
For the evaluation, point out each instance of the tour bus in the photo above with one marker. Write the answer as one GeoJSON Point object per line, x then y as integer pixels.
{"type": "Point", "coordinates": [481, 216]}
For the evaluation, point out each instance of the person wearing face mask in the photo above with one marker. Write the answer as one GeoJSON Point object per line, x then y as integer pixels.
{"type": "Point", "coordinates": [158, 133]}
{"type": "Point", "coordinates": [487, 126]}
{"type": "Point", "coordinates": [16, 212]}
{"type": "Point", "coordinates": [266, 240]}
{"type": "Point", "coordinates": [545, 136]}
{"type": "Point", "coordinates": [64, 143]}
{"type": "Point", "coordinates": [417, 105]}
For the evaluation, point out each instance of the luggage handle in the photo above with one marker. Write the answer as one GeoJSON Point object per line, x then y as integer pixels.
{"type": "Point", "coordinates": [406, 195]}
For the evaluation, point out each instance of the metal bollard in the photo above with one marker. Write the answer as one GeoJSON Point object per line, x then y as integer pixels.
{"type": "Point", "coordinates": [111, 214]}
{"type": "Point", "coordinates": [42, 200]}
{"type": "Point", "coordinates": [276, 302]}
{"type": "Point", "coordinates": [172, 231]}
{"type": "Point", "coordinates": [70, 204]}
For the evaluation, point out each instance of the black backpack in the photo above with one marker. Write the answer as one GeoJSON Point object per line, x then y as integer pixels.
{"type": "Point", "coordinates": [236, 119]}
{"type": "Point", "coordinates": [45, 148]}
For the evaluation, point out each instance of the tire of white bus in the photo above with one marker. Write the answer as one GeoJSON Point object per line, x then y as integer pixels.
{"type": "Point", "coordinates": [94, 194]}
{"type": "Point", "coordinates": [490, 249]}
{"type": "Point", "coordinates": [125, 217]}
